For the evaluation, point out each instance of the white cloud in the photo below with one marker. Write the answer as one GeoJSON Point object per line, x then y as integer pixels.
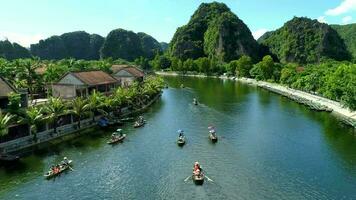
{"type": "Point", "coordinates": [258, 33]}
{"type": "Point", "coordinates": [344, 7]}
{"type": "Point", "coordinates": [21, 38]}
{"type": "Point", "coordinates": [322, 19]}
{"type": "Point", "coordinates": [346, 19]}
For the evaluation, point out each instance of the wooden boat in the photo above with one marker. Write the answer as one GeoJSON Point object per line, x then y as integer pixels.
{"type": "Point", "coordinates": [50, 174]}
{"type": "Point", "coordinates": [198, 179]}
{"type": "Point", "coordinates": [181, 141]}
{"type": "Point", "coordinates": [139, 124]}
{"type": "Point", "coordinates": [117, 139]}
{"type": "Point", "coordinates": [213, 137]}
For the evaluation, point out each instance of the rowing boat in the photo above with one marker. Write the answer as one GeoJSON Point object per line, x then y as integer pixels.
{"type": "Point", "coordinates": [198, 179]}
{"type": "Point", "coordinates": [117, 139]}
{"type": "Point", "coordinates": [181, 141]}
{"type": "Point", "coordinates": [213, 137]}
{"type": "Point", "coordinates": [50, 174]}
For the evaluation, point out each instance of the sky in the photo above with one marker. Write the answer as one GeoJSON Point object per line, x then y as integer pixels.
{"type": "Point", "coordinates": [28, 21]}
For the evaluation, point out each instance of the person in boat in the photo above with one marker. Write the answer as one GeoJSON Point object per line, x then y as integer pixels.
{"type": "Point", "coordinates": [181, 134]}
{"type": "Point", "coordinates": [53, 168]}
{"type": "Point", "coordinates": [65, 161]}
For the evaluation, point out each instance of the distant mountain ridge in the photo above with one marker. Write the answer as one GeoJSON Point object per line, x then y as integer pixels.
{"type": "Point", "coordinates": [303, 40]}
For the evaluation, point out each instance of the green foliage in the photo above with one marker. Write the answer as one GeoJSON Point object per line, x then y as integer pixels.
{"type": "Point", "coordinates": [303, 40]}
{"type": "Point", "coordinates": [144, 63]}
{"type": "Point", "coordinates": [242, 66]}
{"type": "Point", "coordinates": [347, 33]}
{"type": "Point", "coordinates": [160, 62]}
{"type": "Point", "coordinates": [13, 51]}
{"type": "Point", "coordinates": [14, 103]}
{"type": "Point", "coordinates": [54, 108]}
{"type": "Point", "coordinates": [33, 117]}
{"type": "Point", "coordinates": [79, 107]}
{"type": "Point", "coordinates": [5, 121]}
{"type": "Point", "coordinates": [264, 70]}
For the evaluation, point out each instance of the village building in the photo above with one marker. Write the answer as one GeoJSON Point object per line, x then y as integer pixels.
{"type": "Point", "coordinates": [76, 84]}
{"type": "Point", "coordinates": [127, 74]}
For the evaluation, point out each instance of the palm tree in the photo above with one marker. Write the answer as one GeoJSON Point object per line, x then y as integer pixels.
{"type": "Point", "coordinates": [94, 102]}
{"type": "Point", "coordinates": [54, 108]}
{"type": "Point", "coordinates": [33, 117]}
{"type": "Point", "coordinates": [79, 108]}
{"type": "Point", "coordinates": [5, 121]}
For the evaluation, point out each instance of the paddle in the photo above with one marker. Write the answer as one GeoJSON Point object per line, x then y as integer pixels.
{"type": "Point", "coordinates": [70, 168]}
{"type": "Point", "coordinates": [186, 179]}
{"type": "Point", "coordinates": [209, 179]}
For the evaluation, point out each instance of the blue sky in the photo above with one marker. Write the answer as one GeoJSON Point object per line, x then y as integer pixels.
{"type": "Point", "coordinates": [27, 21]}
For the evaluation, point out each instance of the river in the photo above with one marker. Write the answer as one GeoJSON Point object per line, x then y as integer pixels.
{"type": "Point", "coordinates": [269, 148]}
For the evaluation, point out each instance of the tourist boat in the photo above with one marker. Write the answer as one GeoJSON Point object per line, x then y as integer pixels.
{"type": "Point", "coordinates": [212, 134]}
{"type": "Point", "coordinates": [50, 174]}
{"type": "Point", "coordinates": [117, 139]}
{"type": "Point", "coordinates": [139, 123]}
{"type": "Point", "coordinates": [198, 179]}
{"type": "Point", "coordinates": [6, 158]}
{"type": "Point", "coordinates": [181, 141]}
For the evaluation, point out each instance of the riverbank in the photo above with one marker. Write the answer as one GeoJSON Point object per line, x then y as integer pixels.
{"type": "Point", "coordinates": [64, 133]}
{"type": "Point", "coordinates": [314, 102]}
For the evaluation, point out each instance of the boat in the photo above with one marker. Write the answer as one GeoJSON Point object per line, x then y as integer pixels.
{"type": "Point", "coordinates": [140, 122]}
{"type": "Point", "coordinates": [117, 137]}
{"type": "Point", "coordinates": [103, 122]}
{"type": "Point", "coordinates": [213, 137]}
{"type": "Point", "coordinates": [198, 179]}
{"type": "Point", "coordinates": [195, 101]}
{"type": "Point", "coordinates": [181, 138]}
{"type": "Point", "coordinates": [50, 174]}
{"type": "Point", "coordinates": [181, 141]}
{"type": "Point", "coordinates": [212, 134]}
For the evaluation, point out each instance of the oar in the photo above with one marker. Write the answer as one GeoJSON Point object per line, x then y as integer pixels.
{"type": "Point", "coordinates": [209, 179]}
{"type": "Point", "coordinates": [70, 168]}
{"type": "Point", "coordinates": [186, 179]}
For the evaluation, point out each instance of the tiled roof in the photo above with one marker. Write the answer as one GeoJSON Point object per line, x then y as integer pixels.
{"type": "Point", "coordinates": [5, 88]}
{"type": "Point", "coordinates": [94, 77]}
{"type": "Point", "coordinates": [130, 69]}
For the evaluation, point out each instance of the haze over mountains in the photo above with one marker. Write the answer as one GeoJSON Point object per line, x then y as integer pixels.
{"type": "Point", "coordinates": [212, 31]}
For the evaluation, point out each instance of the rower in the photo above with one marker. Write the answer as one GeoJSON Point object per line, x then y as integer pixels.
{"type": "Point", "coordinates": [65, 161]}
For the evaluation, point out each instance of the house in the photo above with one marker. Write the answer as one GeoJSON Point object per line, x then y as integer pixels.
{"type": "Point", "coordinates": [5, 89]}
{"type": "Point", "coordinates": [127, 74]}
{"type": "Point", "coordinates": [75, 84]}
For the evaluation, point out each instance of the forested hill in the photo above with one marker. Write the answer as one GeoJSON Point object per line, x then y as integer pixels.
{"type": "Point", "coordinates": [213, 30]}
{"type": "Point", "coordinates": [348, 34]}
{"type": "Point", "coordinates": [12, 51]}
{"type": "Point", "coordinates": [119, 43]}
{"type": "Point", "coordinates": [303, 40]}
{"type": "Point", "coordinates": [128, 45]}
{"type": "Point", "coordinates": [78, 45]}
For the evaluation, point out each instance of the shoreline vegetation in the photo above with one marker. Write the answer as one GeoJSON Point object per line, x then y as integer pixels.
{"type": "Point", "coordinates": [70, 117]}
{"type": "Point", "coordinates": [314, 102]}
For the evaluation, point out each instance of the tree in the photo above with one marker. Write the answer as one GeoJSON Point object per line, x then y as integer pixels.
{"type": "Point", "coordinates": [79, 108]}
{"type": "Point", "coordinates": [203, 65]}
{"type": "Point", "coordinates": [242, 66]}
{"type": "Point", "coordinates": [5, 121]}
{"type": "Point", "coordinates": [264, 69]}
{"type": "Point", "coordinates": [14, 103]}
{"type": "Point", "coordinates": [33, 117]}
{"type": "Point", "coordinates": [94, 102]}
{"type": "Point", "coordinates": [54, 108]}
